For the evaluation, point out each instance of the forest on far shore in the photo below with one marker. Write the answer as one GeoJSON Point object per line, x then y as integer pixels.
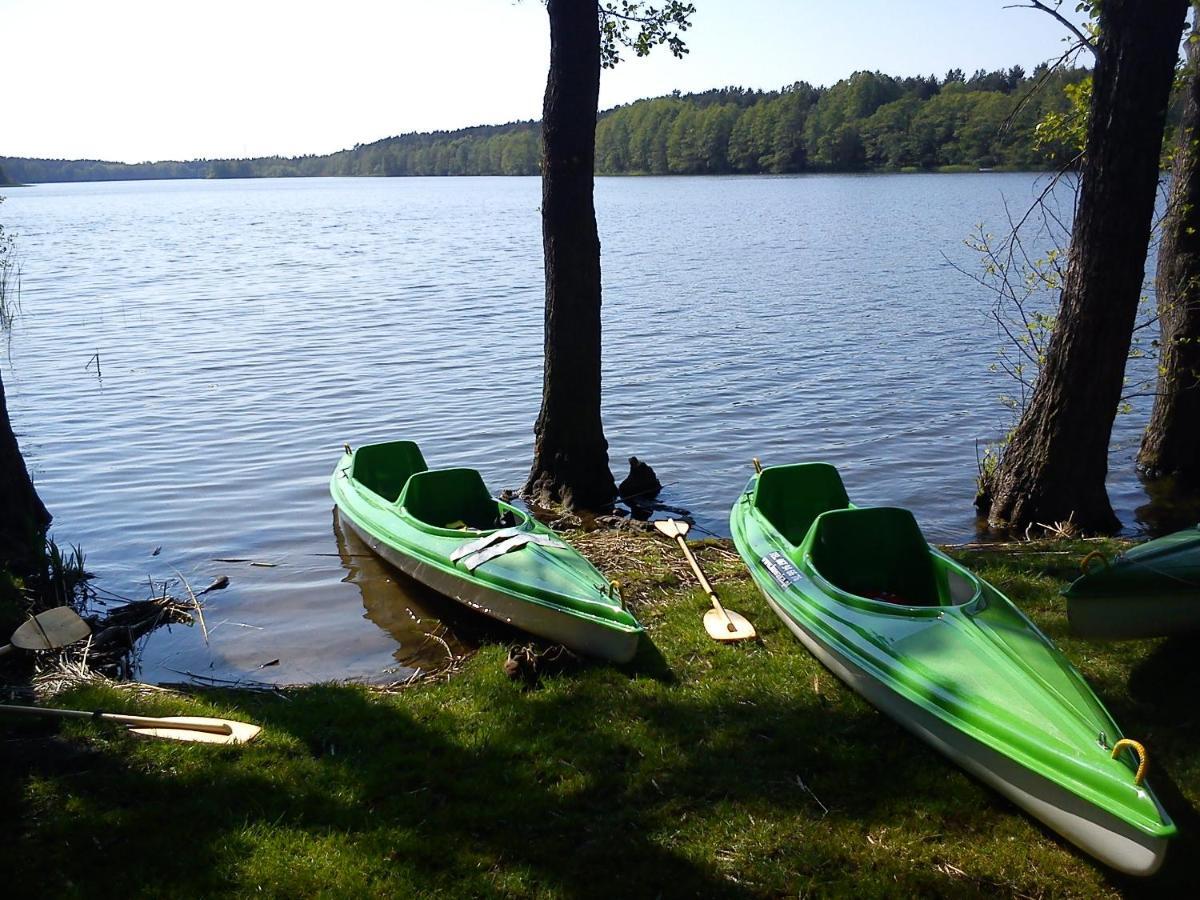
{"type": "Point", "coordinates": [867, 122]}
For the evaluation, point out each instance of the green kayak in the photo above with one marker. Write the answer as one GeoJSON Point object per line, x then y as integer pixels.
{"type": "Point", "coordinates": [1149, 591]}
{"type": "Point", "coordinates": [444, 529]}
{"type": "Point", "coordinates": [949, 657]}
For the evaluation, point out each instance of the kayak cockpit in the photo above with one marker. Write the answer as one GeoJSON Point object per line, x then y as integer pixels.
{"type": "Point", "coordinates": [879, 554]}
{"type": "Point", "coordinates": [876, 554]}
{"type": "Point", "coordinates": [384, 469]}
{"type": "Point", "coordinates": [791, 497]}
{"type": "Point", "coordinates": [456, 499]}
{"type": "Point", "coordinates": [442, 499]}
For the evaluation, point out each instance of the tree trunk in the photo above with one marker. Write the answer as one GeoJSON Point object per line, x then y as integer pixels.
{"type": "Point", "coordinates": [1171, 444]}
{"type": "Point", "coordinates": [1054, 466]}
{"type": "Point", "coordinates": [570, 457]}
{"type": "Point", "coordinates": [23, 518]}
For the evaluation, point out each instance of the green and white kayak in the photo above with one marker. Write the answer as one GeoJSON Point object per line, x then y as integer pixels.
{"type": "Point", "coordinates": [444, 529]}
{"type": "Point", "coordinates": [1151, 590]}
{"type": "Point", "coordinates": [948, 657]}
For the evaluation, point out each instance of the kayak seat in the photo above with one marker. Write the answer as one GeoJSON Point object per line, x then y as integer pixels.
{"type": "Point", "coordinates": [384, 468]}
{"type": "Point", "coordinates": [791, 497]}
{"type": "Point", "coordinates": [450, 498]}
{"type": "Point", "coordinates": [876, 552]}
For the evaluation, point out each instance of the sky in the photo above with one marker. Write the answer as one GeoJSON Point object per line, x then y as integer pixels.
{"type": "Point", "coordinates": [135, 80]}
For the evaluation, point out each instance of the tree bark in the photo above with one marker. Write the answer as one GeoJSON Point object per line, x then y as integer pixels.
{"type": "Point", "coordinates": [570, 458]}
{"type": "Point", "coordinates": [1171, 444]}
{"type": "Point", "coordinates": [23, 518]}
{"type": "Point", "coordinates": [1056, 461]}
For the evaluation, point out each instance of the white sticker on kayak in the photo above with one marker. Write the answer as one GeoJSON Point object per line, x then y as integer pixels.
{"type": "Point", "coordinates": [781, 569]}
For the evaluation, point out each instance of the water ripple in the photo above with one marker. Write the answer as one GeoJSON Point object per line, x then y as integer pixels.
{"type": "Point", "coordinates": [246, 329]}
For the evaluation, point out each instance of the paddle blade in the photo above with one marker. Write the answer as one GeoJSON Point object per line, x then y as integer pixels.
{"type": "Point", "coordinates": [718, 629]}
{"type": "Point", "coordinates": [671, 528]}
{"type": "Point", "coordinates": [177, 730]}
{"type": "Point", "coordinates": [54, 628]}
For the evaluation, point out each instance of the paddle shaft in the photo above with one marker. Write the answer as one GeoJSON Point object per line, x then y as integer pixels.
{"type": "Point", "coordinates": [6, 649]}
{"type": "Point", "coordinates": [708, 588]}
{"type": "Point", "coordinates": [132, 721]}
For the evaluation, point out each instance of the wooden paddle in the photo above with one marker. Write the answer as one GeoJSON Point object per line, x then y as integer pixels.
{"type": "Point", "coordinates": [49, 630]}
{"type": "Point", "coordinates": [720, 623]}
{"type": "Point", "coordinates": [195, 729]}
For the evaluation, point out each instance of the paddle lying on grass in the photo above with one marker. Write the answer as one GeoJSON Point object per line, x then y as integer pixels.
{"type": "Point", "coordinates": [196, 729]}
{"type": "Point", "coordinates": [49, 630]}
{"type": "Point", "coordinates": [720, 623]}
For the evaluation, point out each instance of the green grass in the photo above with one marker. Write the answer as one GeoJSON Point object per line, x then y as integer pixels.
{"type": "Point", "coordinates": [700, 770]}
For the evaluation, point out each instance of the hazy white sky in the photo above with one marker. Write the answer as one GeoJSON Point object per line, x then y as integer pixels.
{"type": "Point", "coordinates": [137, 80]}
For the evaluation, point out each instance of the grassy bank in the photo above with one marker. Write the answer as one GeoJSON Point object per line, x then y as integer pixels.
{"type": "Point", "coordinates": [701, 769]}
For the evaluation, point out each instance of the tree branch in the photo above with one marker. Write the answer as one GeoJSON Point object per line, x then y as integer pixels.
{"type": "Point", "coordinates": [1062, 20]}
{"type": "Point", "coordinates": [1045, 76]}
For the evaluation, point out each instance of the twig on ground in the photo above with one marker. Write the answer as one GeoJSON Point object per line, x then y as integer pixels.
{"type": "Point", "coordinates": [803, 786]}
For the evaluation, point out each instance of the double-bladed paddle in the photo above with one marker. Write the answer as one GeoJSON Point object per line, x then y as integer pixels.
{"type": "Point", "coordinates": [49, 630]}
{"type": "Point", "coordinates": [196, 729]}
{"type": "Point", "coordinates": [61, 626]}
{"type": "Point", "coordinates": [721, 624]}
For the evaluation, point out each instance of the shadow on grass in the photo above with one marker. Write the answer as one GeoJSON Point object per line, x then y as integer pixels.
{"type": "Point", "coordinates": [594, 785]}
{"type": "Point", "coordinates": [1167, 683]}
{"type": "Point", "coordinates": [650, 662]}
{"type": "Point", "coordinates": [1164, 687]}
{"type": "Point", "coordinates": [546, 796]}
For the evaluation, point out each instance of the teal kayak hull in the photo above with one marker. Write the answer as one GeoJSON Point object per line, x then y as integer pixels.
{"type": "Point", "coordinates": [443, 529]}
{"type": "Point", "coordinates": [1151, 590]}
{"type": "Point", "coordinates": [948, 657]}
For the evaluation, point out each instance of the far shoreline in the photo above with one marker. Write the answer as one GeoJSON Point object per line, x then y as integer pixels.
{"type": "Point", "coordinates": [906, 170]}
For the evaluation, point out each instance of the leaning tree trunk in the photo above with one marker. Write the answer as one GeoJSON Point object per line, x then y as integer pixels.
{"type": "Point", "coordinates": [1054, 466]}
{"type": "Point", "coordinates": [1171, 444]}
{"type": "Point", "coordinates": [570, 457]}
{"type": "Point", "coordinates": [23, 518]}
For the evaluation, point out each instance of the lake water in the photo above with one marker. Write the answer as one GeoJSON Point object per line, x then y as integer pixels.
{"type": "Point", "coordinates": [246, 329]}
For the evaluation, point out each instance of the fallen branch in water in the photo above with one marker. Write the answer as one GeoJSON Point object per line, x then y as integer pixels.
{"type": "Point", "coordinates": [112, 650]}
{"type": "Point", "coordinates": [196, 604]}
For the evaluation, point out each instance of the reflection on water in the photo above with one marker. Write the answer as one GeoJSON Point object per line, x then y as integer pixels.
{"type": "Point", "coordinates": [1170, 507]}
{"type": "Point", "coordinates": [426, 626]}
{"type": "Point", "coordinates": [364, 621]}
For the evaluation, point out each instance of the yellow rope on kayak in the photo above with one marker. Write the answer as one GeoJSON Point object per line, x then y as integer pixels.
{"type": "Point", "coordinates": [1095, 554]}
{"type": "Point", "coordinates": [757, 466]}
{"type": "Point", "coordinates": [1143, 757]}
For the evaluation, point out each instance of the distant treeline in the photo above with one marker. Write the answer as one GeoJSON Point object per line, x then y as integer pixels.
{"type": "Point", "coordinates": [868, 121]}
